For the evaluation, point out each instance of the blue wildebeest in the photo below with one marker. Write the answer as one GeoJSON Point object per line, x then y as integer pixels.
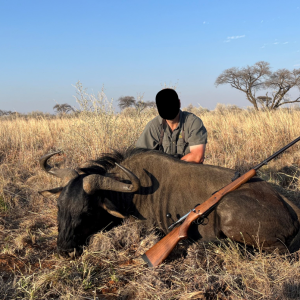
{"type": "Point", "coordinates": [150, 184]}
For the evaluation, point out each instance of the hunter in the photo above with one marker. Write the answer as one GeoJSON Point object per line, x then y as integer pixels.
{"type": "Point", "coordinates": [176, 132]}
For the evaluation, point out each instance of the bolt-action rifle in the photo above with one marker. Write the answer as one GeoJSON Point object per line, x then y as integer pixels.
{"type": "Point", "coordinates": [160, 251]}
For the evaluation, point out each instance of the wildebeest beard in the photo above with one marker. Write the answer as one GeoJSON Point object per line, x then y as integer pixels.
{"type": "Point", "coordinates": [79, 218]}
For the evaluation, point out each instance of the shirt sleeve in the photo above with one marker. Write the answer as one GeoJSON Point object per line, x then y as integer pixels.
{"type": "Point", "coordinates": [197, 133]}
{"type": "Point", "coordinates": [149, 139]}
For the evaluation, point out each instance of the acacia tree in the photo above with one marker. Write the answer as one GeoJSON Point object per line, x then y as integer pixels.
{"type": "Point", "coordinates": [265, 101]}
{"type": "Point", "coordinates": [258, 77]}
{"type": "Point", "coordinates": [129, 101]}
{"type": "Point", "coordinates": [126, 101]}
{"type": "Point", "coordinates": [63, 108]}
{"type": "Point", "coordinates": [281, 82]}
{"type": "Point", "coordinates": [5, 112]}
{"type": "Point", "coordinates": [141, 105]}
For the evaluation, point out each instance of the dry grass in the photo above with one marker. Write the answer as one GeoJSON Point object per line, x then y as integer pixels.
{"type": "Point", "coordinates": [110, 267]}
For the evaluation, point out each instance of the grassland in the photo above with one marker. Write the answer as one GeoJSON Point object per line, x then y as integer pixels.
{"type": "Point", "coordinates": [110, 267]}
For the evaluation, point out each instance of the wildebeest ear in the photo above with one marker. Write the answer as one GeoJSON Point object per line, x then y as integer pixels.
{"type": "Point", "coordinates": [111, 209]}
{"type": "Point", "coordinates": [54, 192]}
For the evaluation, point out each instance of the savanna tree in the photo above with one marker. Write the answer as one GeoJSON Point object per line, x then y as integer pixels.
{"type": "Point", "coordinates": [126, 101]}
{"type": "Point", "coordinates": [7, 113]}
{"type": "Point", "coordinates": [63, 108]}
{"type": "Point", "coordinates": [259, 77]}
{"type": "Point", "coordinates": [4, 112]}
{"type": "Point", "coordinates": [129, 101]}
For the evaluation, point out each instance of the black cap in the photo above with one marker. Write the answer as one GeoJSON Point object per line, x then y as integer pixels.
{"type": "Point", "coordinates": [167, 103]}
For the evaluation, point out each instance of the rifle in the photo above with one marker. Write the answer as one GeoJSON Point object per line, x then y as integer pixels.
{"type": "Point", "coordinates": [160, 251]}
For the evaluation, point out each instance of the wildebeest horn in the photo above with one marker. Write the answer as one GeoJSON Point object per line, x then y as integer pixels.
{"type": "Point", "coordinates": [95, 182]}
{"type": "Point", "coordinates": [65, 174]}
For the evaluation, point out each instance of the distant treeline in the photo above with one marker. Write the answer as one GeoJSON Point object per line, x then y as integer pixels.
{"type": "Point", "coordinates": [133, 111]}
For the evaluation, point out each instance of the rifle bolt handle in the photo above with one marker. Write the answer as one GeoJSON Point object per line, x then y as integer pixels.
{"type": "Point", "coordinates": [168, 215]}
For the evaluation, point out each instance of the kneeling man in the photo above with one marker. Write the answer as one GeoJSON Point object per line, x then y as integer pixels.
{"type": "Point", "coordinates": [176, 132]}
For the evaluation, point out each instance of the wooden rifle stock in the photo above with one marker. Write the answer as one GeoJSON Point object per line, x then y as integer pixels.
{"type": "Point", "coordinates": [161, 250]}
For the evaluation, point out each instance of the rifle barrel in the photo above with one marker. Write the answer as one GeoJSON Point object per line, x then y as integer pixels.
{"type": "Point", "coordinates": [276, 153]}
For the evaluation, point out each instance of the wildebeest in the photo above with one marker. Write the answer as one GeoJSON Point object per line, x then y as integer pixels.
{"type": "Point", "coordinates": [150, 184]}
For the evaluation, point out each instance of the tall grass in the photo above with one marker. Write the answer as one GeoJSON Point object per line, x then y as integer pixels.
{"type": "Point", "coordinates": [110, 267]}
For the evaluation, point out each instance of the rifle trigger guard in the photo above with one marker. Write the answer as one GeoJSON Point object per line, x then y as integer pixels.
{"type": "Point", "coordinates": [201, 220]}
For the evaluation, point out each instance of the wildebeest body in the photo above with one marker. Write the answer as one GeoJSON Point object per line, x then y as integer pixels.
{"type": "Point", "coordinates": [172, 186]}
{"type": "Point", "coordinates": [254, 214]}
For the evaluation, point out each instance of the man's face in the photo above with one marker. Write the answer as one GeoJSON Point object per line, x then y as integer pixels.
{"type": "Point", "coordinates": [168, 104]}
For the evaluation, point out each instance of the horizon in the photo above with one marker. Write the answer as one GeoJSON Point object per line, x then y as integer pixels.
{"type": "Point", "coordinates": [133, 47]}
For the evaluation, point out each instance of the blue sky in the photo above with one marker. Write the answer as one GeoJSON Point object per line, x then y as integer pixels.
{"type": "Point", "coordinates": [134, 47]}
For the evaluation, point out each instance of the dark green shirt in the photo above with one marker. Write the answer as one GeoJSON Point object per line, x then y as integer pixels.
{"type": "Point", "coordinates": [173, 143]}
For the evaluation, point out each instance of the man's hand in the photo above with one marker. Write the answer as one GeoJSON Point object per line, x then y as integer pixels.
{"type": "Point", "coordinates": [196, 155]}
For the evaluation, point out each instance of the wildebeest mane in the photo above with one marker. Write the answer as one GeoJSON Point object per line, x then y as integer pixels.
{"type": "Point", "coordinates": [106, 161]}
